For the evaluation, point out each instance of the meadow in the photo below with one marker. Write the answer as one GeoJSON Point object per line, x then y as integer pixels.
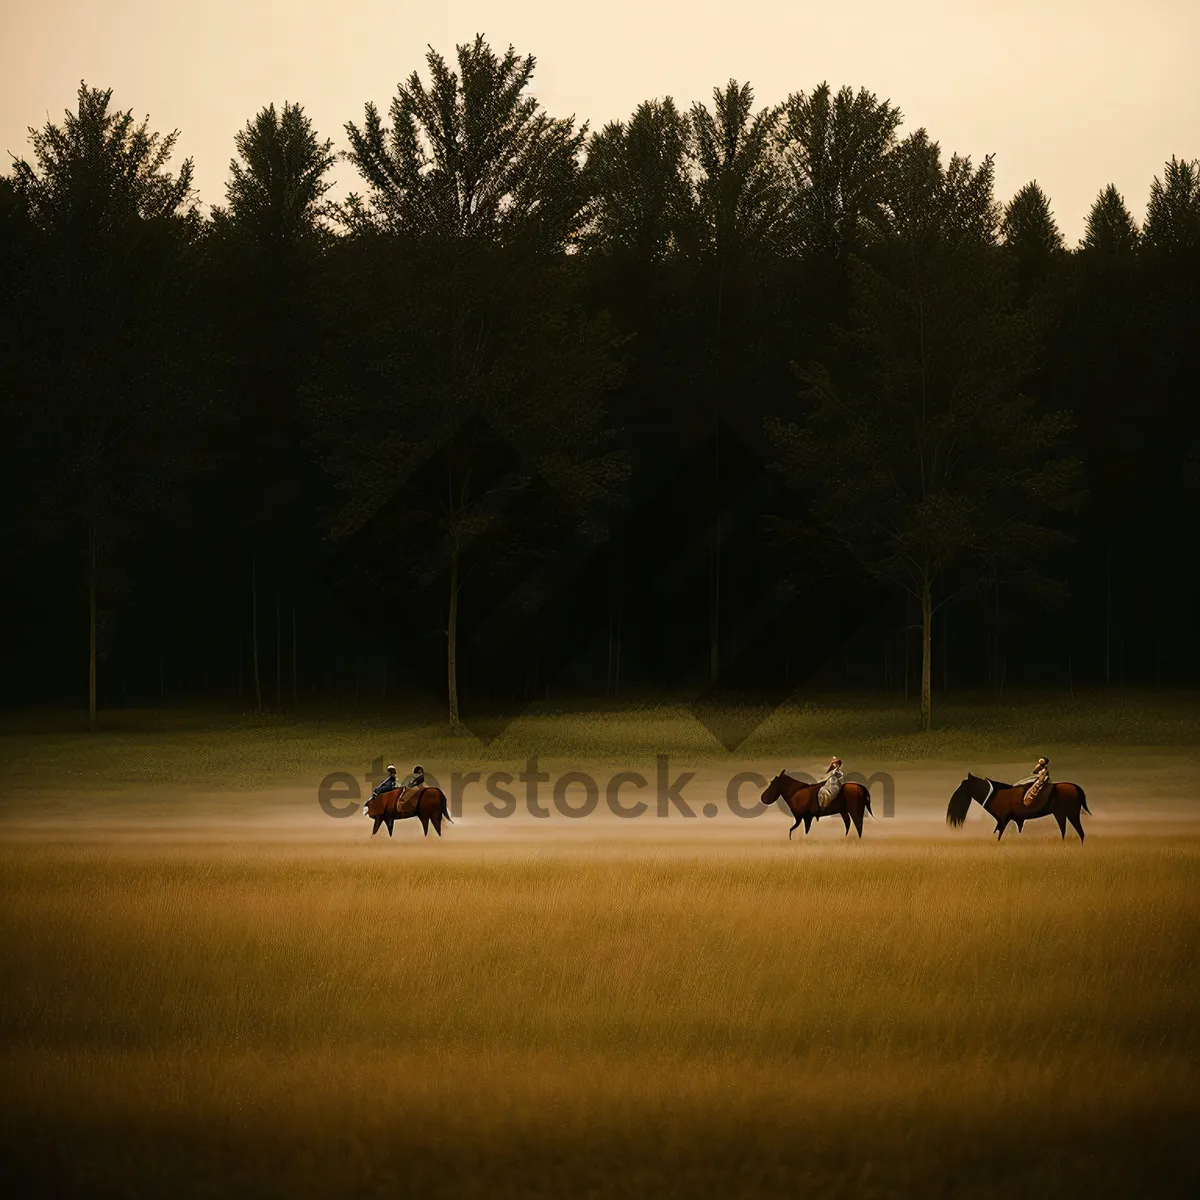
{"type": "Point", "coordinates": [229, 1009]}
{"type": "Point", "coordinates": [286, 1021]}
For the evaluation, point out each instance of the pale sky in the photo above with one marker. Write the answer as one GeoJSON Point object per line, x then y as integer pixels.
{"type": "Point", "coordinates": [1073, 93]}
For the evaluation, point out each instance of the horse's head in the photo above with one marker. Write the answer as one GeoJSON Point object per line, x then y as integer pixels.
{"type": "Point", "coordinates": [774, 789]}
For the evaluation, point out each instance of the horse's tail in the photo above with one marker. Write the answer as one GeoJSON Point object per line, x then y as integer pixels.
{"type": "Point", "coordinates": [445, 809]}
{"type": "Point", "coordinates": [1083, 800]}
{"type": "Point", "coordinates": [867, 799]}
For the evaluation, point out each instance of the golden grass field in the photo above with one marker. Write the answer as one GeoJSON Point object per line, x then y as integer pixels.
{"type": "Point", "coordinates": [206, 1006]}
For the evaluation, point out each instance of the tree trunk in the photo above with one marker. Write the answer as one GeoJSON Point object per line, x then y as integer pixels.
{"type": "Point", "coordinates": [278, 654]}
{"type": "Point", "coordinates": [714, 563]}
{"type": "Point", "coordinates": [295, 684]}
{"type": "Point", "coordinates": [926, 656]}
{"type": "Point", "coordinates": [92, 720]}
{"type": "Point", "coordinates": [714, 598]}
{"type": "Point", "coordinates": [254, 631]}
{"type": "Point", "coordinates": [945, 657]}
{"type": "Point", "coordinates": [614, 609]}
{"type": "Point", "coordinates": [452, 643]}
{"type": "Point", "coordinates": [1108, 621]}
{"type": "Point", "coordinates": [617, 661]}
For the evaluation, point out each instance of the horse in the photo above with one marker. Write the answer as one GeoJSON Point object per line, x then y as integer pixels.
{"type": "Point", "coordinates": [429, 804]}
{"type": "Point", "coordinates": [1005, 803]}
{"type": "Point", "coordinates": [850, 803]}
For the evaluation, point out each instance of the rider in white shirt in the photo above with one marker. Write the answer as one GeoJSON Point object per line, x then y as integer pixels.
{"type": "Point", "coordinates": [1035, 782]}
{"type": "Point", "coordinates": [831, 785]}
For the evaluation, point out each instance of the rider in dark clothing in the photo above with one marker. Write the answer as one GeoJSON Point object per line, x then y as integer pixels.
{"type": "Point", "coordinates": [389, 784]}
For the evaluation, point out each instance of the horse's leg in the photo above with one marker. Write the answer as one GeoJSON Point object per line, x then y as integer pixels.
{"type": "Point", "coordinates": [1077, 824]}
{"type": "Point", "coordinates": [858, 820]}
{"type": "Point", "coordinates": [1001, 824]}
{"type": "Point", "coordinates": [799, 818]}
{"type": "Point", "coordinates": [424, 823]}
{"type": "Point", "coordinates": [845, 819]}
{"type": "Point", "coordinates": [378, 822]}
{"type": "Point", "coordinates": [808, 820]}
{"type": "Point", "coordinates": [390, 821]}
{"type": "Point", "coordinates": [1062, 823]}
{"type": "Point", "coordinates": [437, 822]}
{"type": "Point", "coordinates": [1020, 823]}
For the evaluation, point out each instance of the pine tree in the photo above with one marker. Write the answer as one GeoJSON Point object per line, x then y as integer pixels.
{"type": "Point", "coordinates": [920, 452]}
{"type": "Point", "coordinates": [1032, 239]}
{"type": "Point", "coordinates": [278, 180]}
{"type": "Point", "coordinates": [638, 188]}
{"type": "Point", "coordinates": [740, 213]}
{"type": "Point", "coordinates": [1111, 229]}
{"type": "Point", "coordinates": [837, 150]}
{"type": "Point", "coordinates": [1029, 227]}
{"type": "Point", "coordinates": [265, 254]}
{"type": "Point", "coordinates": [468, 349]}
{"type": "Point", "coordinates": [1173, 213]}
{"type": "Point", "coordinates": [112, 356]}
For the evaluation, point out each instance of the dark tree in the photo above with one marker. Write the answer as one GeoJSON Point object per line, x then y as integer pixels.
{"type": "Point", "coordinates": [1032, 238]}
{"type": "Point", "coordinates": [919, 452]}
{"type": "Point", "coordinates": [740, 211]}
{"type": "Point", "coordinates": [1173, 213]}
{"type": "Point", "coordinates": [112, 357]}
{"type": "Point", "coordinates": [474, 358]}
{"type": "Point", "coordinates": [266, 251]}
{"type": "Point", "coordinates": [837, 150]}
{"type": "Point", "coordinates": [638, 190]}
{"type": "Point", "coordinates": [1110, 228]}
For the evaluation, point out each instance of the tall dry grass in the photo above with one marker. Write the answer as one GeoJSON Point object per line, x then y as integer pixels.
{"type": "Point", "coordinates": [275, 1020]}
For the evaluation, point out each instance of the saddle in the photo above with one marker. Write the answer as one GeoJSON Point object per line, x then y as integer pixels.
{"type": "Point", "coordinates": [1037, 793]}
{"type": "Point", "coordinates": [402, 802]}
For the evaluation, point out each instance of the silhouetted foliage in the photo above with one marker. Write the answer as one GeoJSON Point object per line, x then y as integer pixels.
{"type": "Point", "coordinates": [635, 176]}
{"type": "Point", "coordinates": [1110, 227]}
{"type": "Point", "coordinates": [838, 148]}
{"type": "Point", "coordinates": [480, 365]}
{"type": "Point", "coordinates": [921, 454]}
{"type": "Point", "coordinates": [1173, 213]}
{"type": "Point", "coordinates": [109, 389]}
{"type": "Point", "coordinates": [532, 377]}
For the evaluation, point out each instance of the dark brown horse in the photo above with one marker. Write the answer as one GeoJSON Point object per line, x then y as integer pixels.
{"type": "Point", "coordinates": [802, 798]}
{"type": "Point", "coordinates": [1063, 801]}
{"type": "Point", "coordinates": [427, 803]}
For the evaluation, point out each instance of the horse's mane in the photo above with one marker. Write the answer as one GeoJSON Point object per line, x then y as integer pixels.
{"type": "Point", "coordinates": [960, 804]}
{"type": "Point", "coordinates": [968, 790]}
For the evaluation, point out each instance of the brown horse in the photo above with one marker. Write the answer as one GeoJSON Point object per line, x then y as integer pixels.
{"type": "Point", "coordinates": [1063, 801]}
{"type": "Point", "coordinates": [427, 803]}
{"type": "Point", "coordinates": [849, 804]}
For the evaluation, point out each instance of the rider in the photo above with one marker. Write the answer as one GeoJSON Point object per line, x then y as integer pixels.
{"type": "Point", "coordinates": [414, 780]}
{"type": "Point", "coordinates": [1035, 782]}
{"type": "Point", "coordinates": [831, 784]}
{"type": "Point", "coordinates": [389, 784]}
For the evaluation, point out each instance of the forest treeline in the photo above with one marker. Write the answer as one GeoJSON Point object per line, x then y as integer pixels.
{"type": "Point", "coordinates": [719, 395]}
